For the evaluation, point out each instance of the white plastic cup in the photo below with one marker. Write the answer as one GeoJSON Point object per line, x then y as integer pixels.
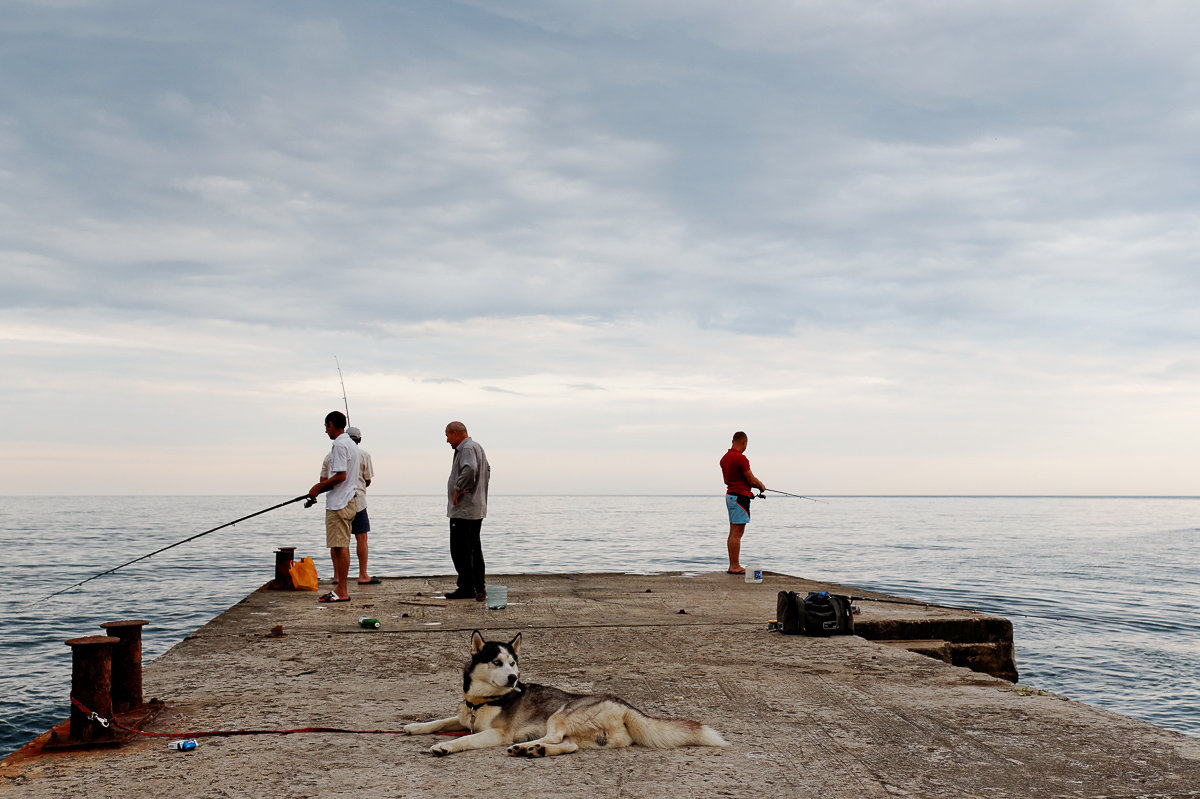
{"type": "Point", "coordinates": [497, 597]}
{"type": "Point", "coordinates": [753, 573]}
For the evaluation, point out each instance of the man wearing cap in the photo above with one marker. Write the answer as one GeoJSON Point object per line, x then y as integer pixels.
{"type": "Point", "coordinates": [361, 524]}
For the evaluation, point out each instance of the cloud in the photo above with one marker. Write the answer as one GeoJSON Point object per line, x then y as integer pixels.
{"type": "Point", "coordinates": [951, 230]}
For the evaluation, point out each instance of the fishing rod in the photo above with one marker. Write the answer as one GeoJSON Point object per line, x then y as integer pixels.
{"type": "Point", "coordinates": [786, 494]}
{"type": "Point", "coordinates": [915, 602]}
{"type": "Point", "coordinates": [171, 546]}
{"type": "Point", "coordinates": [345, 402]}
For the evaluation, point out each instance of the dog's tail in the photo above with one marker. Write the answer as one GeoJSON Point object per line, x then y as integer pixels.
{"type": "Point", "coordinates": [660, 733]}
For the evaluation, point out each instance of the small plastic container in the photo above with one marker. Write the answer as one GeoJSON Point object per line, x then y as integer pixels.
{"type": "Point", "coordinates": [497, 597]}
{"type": "Point", "coordinates": [368, 623]}
{"type": "Point", "coordinates": [182, 746]}
{"type": "Point", "coordinates": [754, 573]}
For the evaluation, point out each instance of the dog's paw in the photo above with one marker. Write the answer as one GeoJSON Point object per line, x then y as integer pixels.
{"type": "Point", "coordinates": [412, 729]}
{"type": "Point", "coordinates": [440, 750]}
{"type": "Point", "coordinates": [526, 750]}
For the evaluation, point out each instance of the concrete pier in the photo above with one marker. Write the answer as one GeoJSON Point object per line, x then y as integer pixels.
{"type": "Point", "coordinates": [806, 717]}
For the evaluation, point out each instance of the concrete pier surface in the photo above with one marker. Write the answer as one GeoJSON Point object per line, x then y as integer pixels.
{"type": "Point", "coordinates": [805, 717]}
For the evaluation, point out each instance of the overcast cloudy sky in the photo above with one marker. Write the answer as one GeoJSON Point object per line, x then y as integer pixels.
{"type": "Point", "coordinates": [939, 247]}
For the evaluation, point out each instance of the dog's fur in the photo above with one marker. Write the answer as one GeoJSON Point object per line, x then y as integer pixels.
{"type": "Point", "coordinates": [538, 720]}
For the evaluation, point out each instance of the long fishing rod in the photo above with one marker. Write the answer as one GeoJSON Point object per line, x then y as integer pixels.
{"type": "Point", "coordinates": [345, 402]}
{"type": "Point", "coordinates": [786, 494]}
{"type": "Point", "coordinates": [177, 543]}
{"type": "Point", "coordinates": [916, 602]}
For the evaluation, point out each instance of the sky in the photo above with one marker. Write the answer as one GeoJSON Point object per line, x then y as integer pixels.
{"type": "Point", "coordinates": [909, 248]}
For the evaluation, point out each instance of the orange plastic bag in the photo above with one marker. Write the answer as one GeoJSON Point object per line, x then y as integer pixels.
{"type": "Point", "coordinates": [304, 574]}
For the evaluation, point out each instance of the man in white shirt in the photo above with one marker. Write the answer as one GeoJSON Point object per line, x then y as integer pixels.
{"type": "Point", "coordinates": [340, 507]}
{"type": "Point", "coordinates": [362, 523]}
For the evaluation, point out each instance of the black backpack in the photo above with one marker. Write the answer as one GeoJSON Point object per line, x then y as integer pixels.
{"type": "Point", "coordinates": [818, 613]}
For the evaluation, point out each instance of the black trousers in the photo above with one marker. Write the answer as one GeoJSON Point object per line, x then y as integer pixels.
{"type": "Point", "coordinates": [467, 553]}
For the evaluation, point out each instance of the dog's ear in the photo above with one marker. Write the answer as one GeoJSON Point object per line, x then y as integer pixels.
{"type": "Point", "coordinates": [515, 644]}
{"type": "Point", "coordinates": [477, 642]}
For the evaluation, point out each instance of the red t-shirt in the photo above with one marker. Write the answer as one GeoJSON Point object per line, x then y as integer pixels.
{"type": "Point", "coordinates": [734, 466]}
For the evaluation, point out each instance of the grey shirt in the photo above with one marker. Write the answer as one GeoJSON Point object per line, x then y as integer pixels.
{"type": "Point", "coordinates": [470, 472]}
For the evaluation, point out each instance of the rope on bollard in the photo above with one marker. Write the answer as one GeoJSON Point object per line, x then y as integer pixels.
{"type": "Point", "coordinates": [94, 716]}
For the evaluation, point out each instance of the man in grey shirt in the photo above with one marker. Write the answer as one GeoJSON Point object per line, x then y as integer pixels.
{"type": "Point", "coordinates": [466, 507]}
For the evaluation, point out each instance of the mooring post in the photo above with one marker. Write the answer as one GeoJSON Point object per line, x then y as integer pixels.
{"type": "Point", "coordinates": [126, 663]}
{"type": "Point", "coordinates": [91, 686]}
{"type": "Point", "coordinates": [283, 561]}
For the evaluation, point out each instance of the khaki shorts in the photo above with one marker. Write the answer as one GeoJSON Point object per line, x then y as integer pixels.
{"type": "Point", "coordinates": [337, 526]}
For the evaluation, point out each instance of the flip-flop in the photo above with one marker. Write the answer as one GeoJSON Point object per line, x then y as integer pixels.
{"type": "Point", "coordinates": [332, 597]}
{"type": "Point", "coordinates": [731, 571]}
{"type": "Point", "coordinates": [372, 581]}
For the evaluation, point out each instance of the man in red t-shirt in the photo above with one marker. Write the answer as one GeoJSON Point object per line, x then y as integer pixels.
{"type": "Point", "coordinates": [735, 468]}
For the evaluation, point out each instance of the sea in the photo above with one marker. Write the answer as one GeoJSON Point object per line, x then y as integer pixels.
{"type": "Point", "coordinates": [1102, 591]}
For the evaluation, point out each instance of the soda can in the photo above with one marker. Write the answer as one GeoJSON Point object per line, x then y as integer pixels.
{"type": "Point", "coordinates": [182, 746]}
{"type": "Point", "coordinates": [367, 623]}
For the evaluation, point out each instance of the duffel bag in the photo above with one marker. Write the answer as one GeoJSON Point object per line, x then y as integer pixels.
{"type": "Point", "coordinates": [817, 613]}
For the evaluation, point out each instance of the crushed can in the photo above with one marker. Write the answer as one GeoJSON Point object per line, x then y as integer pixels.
{"type": "Point", "coordinates": [182, 746]}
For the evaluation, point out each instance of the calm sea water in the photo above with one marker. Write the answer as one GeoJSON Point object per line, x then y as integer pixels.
{"type": "Point", "coordinates": [1103, 592]}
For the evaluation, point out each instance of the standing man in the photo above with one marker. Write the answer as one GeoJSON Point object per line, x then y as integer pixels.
{"type": "Point", "coordinates": [344, 460]}
{"type": "Point", "coordinates": [362, 524]}
{"type": "Point", "coordinates": [735, 468]}
{"type": "Point", "coordinates": [466, 507]}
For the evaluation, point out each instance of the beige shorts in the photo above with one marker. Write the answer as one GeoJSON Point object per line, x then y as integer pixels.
{"type": "Point", "coordinates": [337, 526]}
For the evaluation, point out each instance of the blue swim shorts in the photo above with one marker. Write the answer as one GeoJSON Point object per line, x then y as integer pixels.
{"type": "Point", "coordinates": [361, 523]}
{"type": "Point", "coordinates": [738, 507]}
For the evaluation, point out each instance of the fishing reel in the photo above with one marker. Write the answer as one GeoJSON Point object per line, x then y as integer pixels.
{"type": "Point", "coordinates": [308, 503]}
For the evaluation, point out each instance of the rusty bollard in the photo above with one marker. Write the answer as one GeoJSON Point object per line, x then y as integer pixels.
{"type": "Point", "coordinates": [91, 685]}
{"type": "Point", "coordinates": [283, 575]}
{"type": "Point", "coordinates": [126, 663]}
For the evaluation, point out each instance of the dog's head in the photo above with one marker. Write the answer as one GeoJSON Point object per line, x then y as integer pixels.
{"type": "Point", "coordinates": [493, 668]}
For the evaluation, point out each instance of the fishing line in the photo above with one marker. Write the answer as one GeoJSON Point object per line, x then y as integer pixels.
{"type": "Point", "coordinates": [1072, 617]}
{"type": "Point", "coordinates": [786, 494]}
{"type": "Point", "coordinates": [170, 546]}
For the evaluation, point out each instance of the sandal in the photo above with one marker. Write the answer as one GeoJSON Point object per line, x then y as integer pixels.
{"type": "Point", "coordinates": [331, 597]}
{"type": "Point", "coordinates": [731, 571]}
{"type": "Point", "coordinates": [371, 581]}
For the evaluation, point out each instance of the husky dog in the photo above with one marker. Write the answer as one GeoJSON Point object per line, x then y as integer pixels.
{"type": "Point", "coordinates": [538, 720]}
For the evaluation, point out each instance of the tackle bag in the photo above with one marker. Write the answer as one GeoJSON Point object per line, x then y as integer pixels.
{"type": "Point", "coordinates": [304, 574]}
{"type": "Point", "coordinates": [818, 613]}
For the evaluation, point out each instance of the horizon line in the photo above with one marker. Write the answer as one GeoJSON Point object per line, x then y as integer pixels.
{"type": "Point", "coordinates": [706, 494]}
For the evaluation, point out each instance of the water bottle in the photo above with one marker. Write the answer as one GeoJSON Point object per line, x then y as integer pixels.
{"type": "Point", "coordinates": [182, 746]}
{"type": "Point", "coordinates": [753, 573]}
{"type": "Point", "coordinates": [367, 623]}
